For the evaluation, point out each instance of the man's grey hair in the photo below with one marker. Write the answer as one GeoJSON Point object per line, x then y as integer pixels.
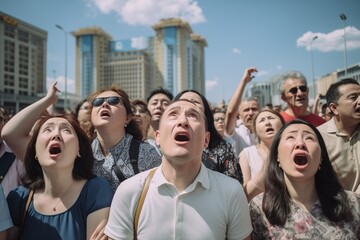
{"type": "Point", "coordinates": [288, 75]}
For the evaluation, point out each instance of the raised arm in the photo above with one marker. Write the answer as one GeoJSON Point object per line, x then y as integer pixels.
{"type": "Point", "coordinates": [17, 131]}
{"type": "Point", "coordinates": [233, 107]}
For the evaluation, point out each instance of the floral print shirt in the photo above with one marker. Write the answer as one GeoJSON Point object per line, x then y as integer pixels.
{"type": "Point", "coordinates": [119, 155]}
{"type": "Point", "coordinates": [222, 159]}
{"type": "Point", "coordinates": [302, 224]}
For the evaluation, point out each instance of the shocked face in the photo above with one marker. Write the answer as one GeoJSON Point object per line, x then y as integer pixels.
{"type": "Point", "coordinates": [57, 143]}
{"type": "Point", "coordinates": [295, 93]}
{"type": "Point", "coordinates": [267, 125]}
{"type": "Point", "coordinates": [109, 110]}
{"type": "Point", "coordinates": [182, 134]}
{"type": "Point", "coordinates": [299, 152]}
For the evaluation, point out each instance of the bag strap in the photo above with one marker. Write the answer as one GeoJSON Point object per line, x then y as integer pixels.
{"type": "Point", "coordinates": [142, 199]}
{"type": "Point", "coordinates": [6, 161]}
{"type": "Point", "coordinates": [29, 198]}
{"type": "Point", "coordinates": [134, 156]}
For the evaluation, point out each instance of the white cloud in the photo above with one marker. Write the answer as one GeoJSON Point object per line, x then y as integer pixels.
{"type": "Point", "coordinates": [211, 84]}
{"type": "Point", "coordinates": [236, 51]}
{"type": "Point", "coordinates": [149, 12]}
{"type": "Point", "coordinates": [261, 73]}
{"type": "Point", "coordinates": [61, 83]}
{"type": "Point", "coordinates": [330, 42]}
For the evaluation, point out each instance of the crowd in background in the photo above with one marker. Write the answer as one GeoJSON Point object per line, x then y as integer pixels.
{"type": "Point", "coordinates": [299, 168]}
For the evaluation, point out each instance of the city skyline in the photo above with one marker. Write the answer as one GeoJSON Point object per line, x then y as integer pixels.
{"type": "Point", "coordinates": [274, 36]}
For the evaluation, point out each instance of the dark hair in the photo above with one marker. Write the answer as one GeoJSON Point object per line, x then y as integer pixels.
{"type": "Point", "coordinates": [83, 166]}
{"type": "Point", "coordinates": [78, 106]}
{"type": "Point", "coordinates": [218, 110]}
{"type": "Point", "coordinates": [139, 102]}
{"type": "Point", "coordinates": [215, 137]}
{"type": "Point", "coordinates": [162, 91]}
{"type": "Point", "coordinates": [132, 127]}
{"type": "Point", "coordinates": [333, 94]}
{"type": "Point", "coordinates": [276, 200]}
{"type": "Point", "coordinates": [276, 113]}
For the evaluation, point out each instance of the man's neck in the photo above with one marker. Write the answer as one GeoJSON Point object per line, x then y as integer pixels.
{"type": "Point", "coordinates": [297, 111]}
{"type": "Point", "coordinates": [152, 129]}
{"type": "Point", "coordinates": [181, 175]}
{"type": "Point", "coordinates": [345, 127]}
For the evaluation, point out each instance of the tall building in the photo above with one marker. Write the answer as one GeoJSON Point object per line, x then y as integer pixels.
{"type": "Point", "coordinates": [174, 58]}
{"type": "Point", "coordinates": [22, 63]}
{"type": "Point", "coordinates": [179, 56]}
{"type": "Point", "coordinates": [91, 50]}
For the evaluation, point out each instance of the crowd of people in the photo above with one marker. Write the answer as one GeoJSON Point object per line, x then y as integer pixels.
{"type": "Point", "coordinates": [178, 167]}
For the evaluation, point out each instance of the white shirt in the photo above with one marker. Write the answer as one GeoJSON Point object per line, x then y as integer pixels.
{"type": "Point", "coordinates": [214, 206]}
{"type": "Point", "coordinates": [242, 137]}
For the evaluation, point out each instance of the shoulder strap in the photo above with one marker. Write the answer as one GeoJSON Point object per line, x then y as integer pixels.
{"type": "Point", "coordinates": [134, 154]}
{"type": "Point", "coordinates": [142, 199]}
{"type": "Point", "coordinates": [29, 198]}
{"type": "Point", "coordinates": [6, 161]}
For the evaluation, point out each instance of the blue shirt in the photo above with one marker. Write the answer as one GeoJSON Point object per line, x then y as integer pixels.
{"type": "Point", "coordinates": [71, 224]}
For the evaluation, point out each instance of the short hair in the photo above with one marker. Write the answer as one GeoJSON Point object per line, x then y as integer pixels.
{"type": "Point", "coordinates": [215, 137]}
{"type": "Point", "coordinates": [276, 200]}
{"type": "Point", "coordinates": [132, 127]}
{"type": "Point", "coordinates": [333, 94]}
{"type": "Point", "coordinates": [83, 166]}
{"type": "Point", "coordinates": [288, 75]}
{"type": "Point", "coordinates": [140, 102]}
{"type": "Point", "coordinates": [160, 90]}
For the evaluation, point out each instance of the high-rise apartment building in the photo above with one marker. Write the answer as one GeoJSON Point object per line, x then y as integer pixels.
{"type": "Point", "coordinates": [173, 59]}
{"type": "Point", "coordinates": [22, 63]}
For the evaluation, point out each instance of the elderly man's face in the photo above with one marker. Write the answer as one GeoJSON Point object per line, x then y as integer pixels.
{"type": "Point", "coordinates": [296, 93]}
{"type": "Point", "coordinates": [182, 134]}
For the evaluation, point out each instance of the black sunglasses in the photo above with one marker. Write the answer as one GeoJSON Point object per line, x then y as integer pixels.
{"type": "Point", "coordinates": [97, 102]}
{"type": "Point", "coordinates": [294, 90]}
{"type": "Point", "coordinates": [140, 109]}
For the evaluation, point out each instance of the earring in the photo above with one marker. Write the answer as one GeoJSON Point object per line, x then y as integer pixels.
{"type": "Point", "coordinates": [278, 160]}
{"type": "Point", "coordinates": [125, 125]}
{"type": "Point", "coordinates": [319, 167]}
{"type": "Point", "coordinates": [78, 155]}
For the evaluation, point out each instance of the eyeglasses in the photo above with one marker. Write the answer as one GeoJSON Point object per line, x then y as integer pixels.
{"type": "Point", "coordinates": [219, 119]}
{"type": "Point", "coordinates": [97, 102]}
{"type": "Point", "coordinates": [294, 90]}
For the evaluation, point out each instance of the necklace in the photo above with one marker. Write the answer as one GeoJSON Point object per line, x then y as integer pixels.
{"type": "Point", "coordinates": [63, 196]}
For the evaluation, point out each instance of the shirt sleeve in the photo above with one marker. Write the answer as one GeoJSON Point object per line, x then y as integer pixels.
{"type": "Point", "coordinates": [120, 224]}
{"type": "Point", "coordinates": [5, 219]}
{"type": "Point", "coordinates": [99, 195]}
{"type": "Point", "coordinates": [16, 201]}
{"type": "Point", "coordinates": [239, 218]}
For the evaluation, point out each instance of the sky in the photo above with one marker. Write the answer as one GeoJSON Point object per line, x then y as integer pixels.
{"type": "Point", "coordinates": [275, 36]}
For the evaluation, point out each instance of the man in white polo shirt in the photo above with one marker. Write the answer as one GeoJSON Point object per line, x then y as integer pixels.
{"type": "Point", "coordinates": [185, 200]}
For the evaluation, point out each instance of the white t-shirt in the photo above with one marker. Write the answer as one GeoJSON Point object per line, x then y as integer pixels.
{"type": "Point", "coordinates": [214, 206]}
{"type": "Point", "coordinates": [242, 137]}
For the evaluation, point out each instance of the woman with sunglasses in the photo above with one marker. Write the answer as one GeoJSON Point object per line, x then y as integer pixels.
{"type": "Point", "coordinates": [219, 155]}
{"type": "Point", "coordinates": [112, 118]}
{"type": "Point", "coordinates": [66, 200]}
{"type": "Point", "coordinates": [303, 198]}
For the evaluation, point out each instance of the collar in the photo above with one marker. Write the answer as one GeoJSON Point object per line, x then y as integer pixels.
{"type": "Point", "coordinates": [201, 179]}
{"type": "Point", "coordinates": [332, 129]}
